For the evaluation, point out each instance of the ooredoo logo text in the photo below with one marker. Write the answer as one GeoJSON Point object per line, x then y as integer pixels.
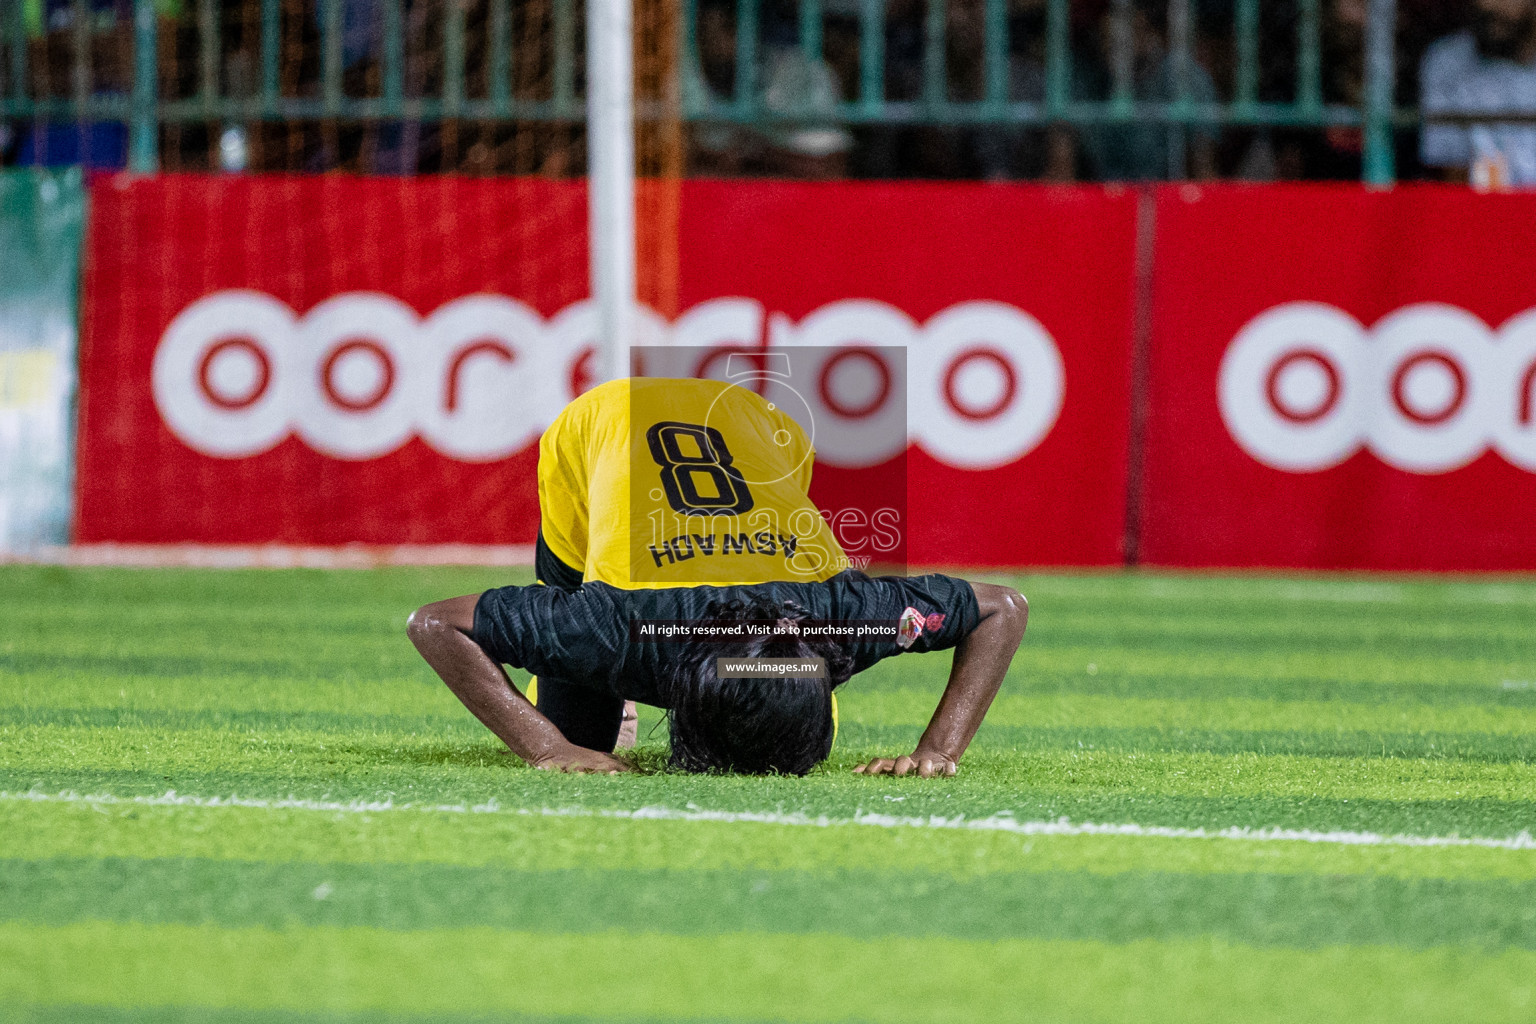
{"type": "Point", "coordinates": [1427, 389]}
{"type": "Point", "coordinates": [358, 375]}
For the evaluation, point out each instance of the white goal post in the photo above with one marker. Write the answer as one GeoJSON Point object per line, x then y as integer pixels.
{"type": "Point", "coordinates": [611, 178]}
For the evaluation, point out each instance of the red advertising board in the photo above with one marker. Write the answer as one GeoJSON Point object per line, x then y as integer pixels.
{"type": "Point", "coordinates": [158, 246]}
{"type": "Point", "coordinates": [328, 360]}
{"type": "Point", "coordinates": [1009, 465]}
{"type": "Point", "coordinates": [1342, 379]}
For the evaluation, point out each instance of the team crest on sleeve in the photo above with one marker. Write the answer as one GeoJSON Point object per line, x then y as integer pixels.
{"type": "Point", "coordinates": [909, 628]}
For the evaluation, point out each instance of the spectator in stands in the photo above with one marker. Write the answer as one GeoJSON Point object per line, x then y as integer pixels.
{"type": "Point", "coordinates": [378, 147]}
{"type": "Point", "coordinates": [1141, 150]}
{"type": "Point", "coordinates": [991, 151]}
{"type": "Point", "coordinates": [362, 32]}
{"type": "Point", "coordinates": [803, 140]}
{"type": "Point", "coordinates": [718, 148]}
{"type": "Point", "coordinates": [1489, 68]}
{"type": "Point", "coordinates": [799, 96]}
{"type": "Point", "coordinates": [1333, 153]}
{"type": "Point", "coordinates": [53, 34]}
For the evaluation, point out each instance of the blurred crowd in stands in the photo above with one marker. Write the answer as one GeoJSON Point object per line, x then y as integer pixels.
{"type": "Point", "coordinates": [1459, 57]}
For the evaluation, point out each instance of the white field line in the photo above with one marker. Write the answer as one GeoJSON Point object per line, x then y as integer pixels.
{"type": "Point", "coordinates": [995, 823]}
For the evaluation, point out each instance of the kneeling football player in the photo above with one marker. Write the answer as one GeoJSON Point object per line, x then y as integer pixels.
{"type": "Point", "coordinates": [595, 634]}
{"type": "Point", "coordinates": [660, 483]}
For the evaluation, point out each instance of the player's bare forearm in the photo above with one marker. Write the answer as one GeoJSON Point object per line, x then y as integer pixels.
{"type": "Point", "coordinates": [981, 662]}
{"type": "Point", "coordinates": [441, 633]}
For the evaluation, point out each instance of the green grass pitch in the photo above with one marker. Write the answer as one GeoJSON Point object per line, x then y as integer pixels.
{"type": "Point", "coordinates": [241, 797]}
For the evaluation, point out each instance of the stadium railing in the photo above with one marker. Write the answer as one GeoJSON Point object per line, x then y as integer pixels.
{"type": "Point", "coordinates": [485, 86]}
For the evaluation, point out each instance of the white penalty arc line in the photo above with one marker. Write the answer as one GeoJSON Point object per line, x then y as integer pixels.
{"type": "Point", "coordinates": [995, 823]}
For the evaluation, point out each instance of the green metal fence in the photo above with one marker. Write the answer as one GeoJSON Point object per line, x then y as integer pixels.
{"type": "Point", "coordinates": [145, 110]}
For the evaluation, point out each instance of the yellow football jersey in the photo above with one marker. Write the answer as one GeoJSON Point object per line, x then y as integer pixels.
{"type": "Point", "coordinates": [653, 482]}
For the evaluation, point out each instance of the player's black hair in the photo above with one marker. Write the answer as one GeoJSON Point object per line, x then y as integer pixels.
{"type": "Point", "coordinates": [755, 726]}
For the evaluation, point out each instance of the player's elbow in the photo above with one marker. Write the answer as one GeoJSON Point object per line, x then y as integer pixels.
{"type": "Point", "coordinates": [420, 625]}
{"type": "Point", "coordinates": [431, 622]}
{"type": "Point", "coordinates": [427, 624]}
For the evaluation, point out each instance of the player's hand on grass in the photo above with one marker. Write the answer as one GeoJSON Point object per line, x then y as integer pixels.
{"type": "Point", "coordinates": [924, 763]}
{"type": "Point", "coordinates": [580, 760]}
